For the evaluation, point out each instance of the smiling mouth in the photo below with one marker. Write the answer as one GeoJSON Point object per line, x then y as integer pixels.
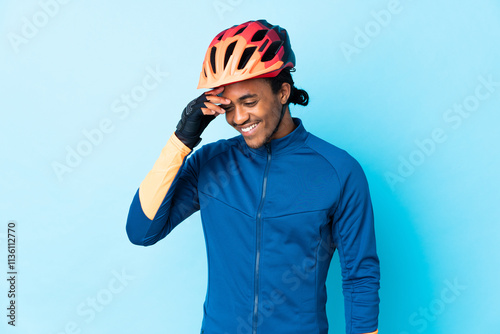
{"type": "Point", "coordinates": [249, 130]}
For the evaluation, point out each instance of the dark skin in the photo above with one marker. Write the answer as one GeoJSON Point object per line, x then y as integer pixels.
{"type": "Point", "coordinates": [251, 102]}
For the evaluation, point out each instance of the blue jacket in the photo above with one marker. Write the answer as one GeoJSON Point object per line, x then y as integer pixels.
{"type": "Point", "coordinates": [272, 218]}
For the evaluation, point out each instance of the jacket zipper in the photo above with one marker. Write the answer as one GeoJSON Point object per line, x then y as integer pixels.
{"type": "Point", "coordinates": [257, 257]}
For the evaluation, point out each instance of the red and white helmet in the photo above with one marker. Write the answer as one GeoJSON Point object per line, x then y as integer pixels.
{"type": "Point", "coordinates": [254, 49]}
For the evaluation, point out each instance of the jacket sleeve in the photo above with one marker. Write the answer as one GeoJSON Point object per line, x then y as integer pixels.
{"type": "Point", "coordinates": [354, 237]}
{"type": "Point", "coordinates": [167, 195]}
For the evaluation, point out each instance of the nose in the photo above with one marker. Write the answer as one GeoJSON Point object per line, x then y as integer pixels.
{"type": "Point", "coordinates": [240, 116]}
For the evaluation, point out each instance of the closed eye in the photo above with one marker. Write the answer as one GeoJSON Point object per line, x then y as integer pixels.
{"type": "Point", "coordinates": [248, 104]}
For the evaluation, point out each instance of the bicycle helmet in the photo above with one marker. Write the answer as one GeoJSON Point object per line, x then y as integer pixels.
{"type": "Point", "coordinates": [254, 49]}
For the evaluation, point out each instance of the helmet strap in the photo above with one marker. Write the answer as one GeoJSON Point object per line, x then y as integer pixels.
{"type": "Point", "coordinates": [277, 126]}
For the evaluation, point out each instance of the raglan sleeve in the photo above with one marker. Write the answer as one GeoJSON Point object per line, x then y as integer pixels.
{"type": "Point", "coordinates": [354, 237]}
{"type": "Point", "coordinates": [167, 195]}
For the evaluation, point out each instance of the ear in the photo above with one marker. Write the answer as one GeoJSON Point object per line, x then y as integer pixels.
{"type": "Point", "coordinates": [285, 91]}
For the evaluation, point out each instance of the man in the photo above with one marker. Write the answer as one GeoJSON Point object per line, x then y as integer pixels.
{"type": "Point", "coordinates": [275, 201]}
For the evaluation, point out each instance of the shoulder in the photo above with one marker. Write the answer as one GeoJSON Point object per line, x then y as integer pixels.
{"type": "Point", "coordinates": [341, 160]}
{"type": "Point", "coordinates": [213, 149]}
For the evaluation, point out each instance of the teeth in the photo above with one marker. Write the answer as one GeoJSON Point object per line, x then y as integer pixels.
{"type": "Point", "coordinates": [249, 128]}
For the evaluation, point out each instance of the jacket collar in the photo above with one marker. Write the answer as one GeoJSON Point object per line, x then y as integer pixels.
{"type": "Point", "coordinates": [281, 145]}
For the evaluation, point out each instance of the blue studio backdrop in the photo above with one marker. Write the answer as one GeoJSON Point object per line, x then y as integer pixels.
{"type": "Point", "coordinates": [91, 91]}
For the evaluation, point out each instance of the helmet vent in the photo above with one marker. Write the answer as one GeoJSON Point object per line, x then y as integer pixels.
{"type": "Point", "coordinates": [229, 52]}
{"type": "Point", "coordinates": [259, 35]}
{"type": "Point", "coordinates": [247, 54]}
{"type": "Point", "coordinates": [212, 58]}
{"type": "Point", "coordinates": [263, 46]}
{"type": "Point", "coordinates": [220, 36]}
{"type": "Point", "coordinates": [204, 71]}
{"type": "Point", "coordinates": [272, 50]}
{"type": "Point", "coordinates": [240, 31]}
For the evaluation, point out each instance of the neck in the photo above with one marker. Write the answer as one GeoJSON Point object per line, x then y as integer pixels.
{"type": "Point", "coordinates": [286, 126]}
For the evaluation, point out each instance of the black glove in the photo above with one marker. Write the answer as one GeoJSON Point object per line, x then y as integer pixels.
{"type": "Point", "coordinates": [193, 122]}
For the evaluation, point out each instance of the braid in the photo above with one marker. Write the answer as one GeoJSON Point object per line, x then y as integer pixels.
{"type": "Point", "coordinates": [297, 96]}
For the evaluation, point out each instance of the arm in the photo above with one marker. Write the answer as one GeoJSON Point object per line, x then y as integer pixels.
{"type": "Point", "coordinates": [166, 197]}
{"type": "Point", "coordinates": [169, 194]}
{"type": "Point", "coordinates": [354, 236]}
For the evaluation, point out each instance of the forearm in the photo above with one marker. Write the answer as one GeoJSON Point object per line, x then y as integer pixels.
{"type": "Point", "coordinates": [361, 304]}
{"type": "Point", "coordinates": [361, 281]}
{"type": "Point", "coordinates": [149, 212]}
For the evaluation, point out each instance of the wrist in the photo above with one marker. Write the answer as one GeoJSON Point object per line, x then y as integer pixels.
{"type": "Point", "coordinates": [190, 142]}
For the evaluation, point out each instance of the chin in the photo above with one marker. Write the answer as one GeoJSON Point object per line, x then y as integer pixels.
{"type": "Point", "coordinates": [253, 143]}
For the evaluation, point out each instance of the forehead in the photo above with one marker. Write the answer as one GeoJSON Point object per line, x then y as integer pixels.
{"type": "Point", "coordinates": [246, 87]}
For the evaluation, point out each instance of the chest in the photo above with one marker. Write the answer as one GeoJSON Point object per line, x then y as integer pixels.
{"type": "Point", "coordinates": [283, 185]}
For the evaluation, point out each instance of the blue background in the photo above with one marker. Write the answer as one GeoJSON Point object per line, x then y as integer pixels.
{"type": "Point", "coordinates": [435, 198]}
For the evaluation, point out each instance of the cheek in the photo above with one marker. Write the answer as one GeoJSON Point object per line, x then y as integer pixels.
{"type": "Point", "coordinates": [265, 109]}
{"type": "Point", "coordinates": [264, 113]}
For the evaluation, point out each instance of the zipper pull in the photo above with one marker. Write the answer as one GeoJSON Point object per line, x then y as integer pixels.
{"type": "Point", "coordinates": [268, 146]}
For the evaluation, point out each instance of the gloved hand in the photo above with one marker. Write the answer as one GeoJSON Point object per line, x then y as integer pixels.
{"type": "Point", "coordinates": [197, 115]}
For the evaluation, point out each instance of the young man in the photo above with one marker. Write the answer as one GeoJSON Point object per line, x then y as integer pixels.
{"type": "Point", "coordinates": [275, 201]}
